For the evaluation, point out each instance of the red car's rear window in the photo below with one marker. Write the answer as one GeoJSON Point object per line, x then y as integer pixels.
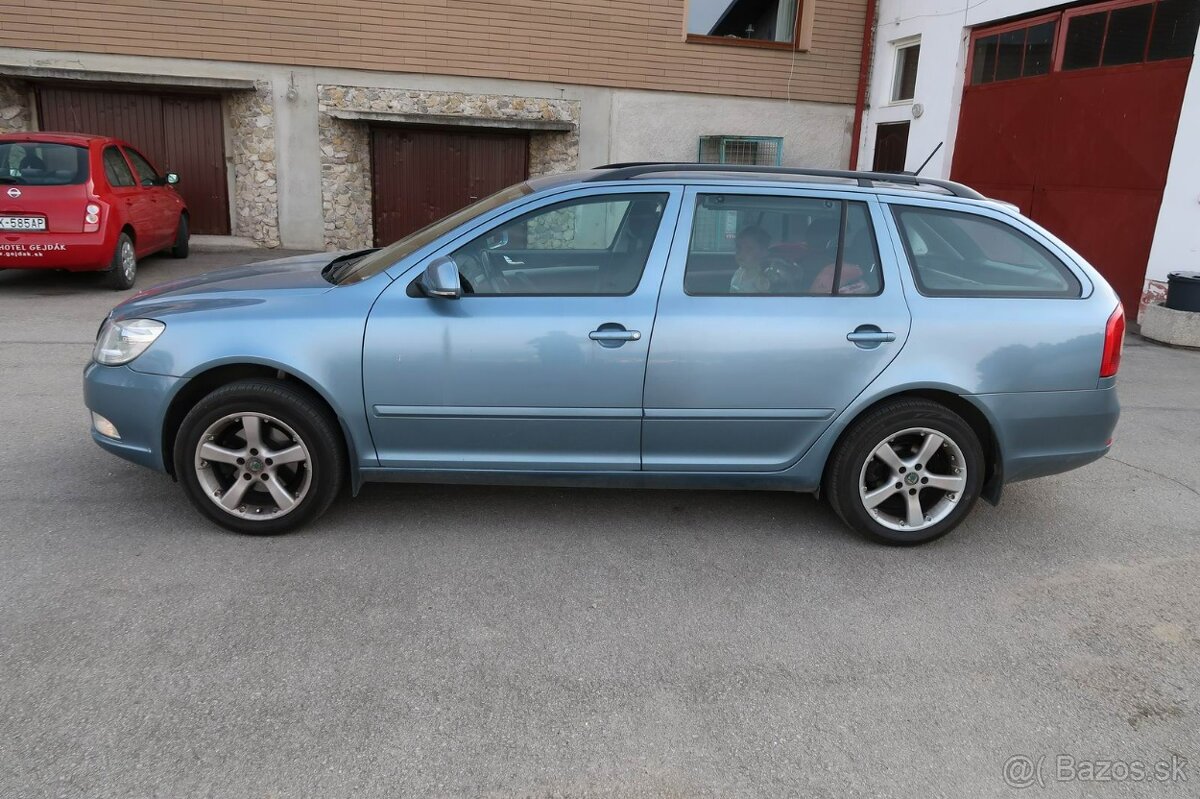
{"type": "Point", "coordinates": [35, 163]}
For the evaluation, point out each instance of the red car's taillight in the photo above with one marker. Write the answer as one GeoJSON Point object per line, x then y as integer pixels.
{"type": "Point", "coordinates": [1114, 340]}
{"type": "Point", "coordinates": [91, 215]}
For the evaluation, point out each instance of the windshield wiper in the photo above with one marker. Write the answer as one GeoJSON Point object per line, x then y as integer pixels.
{"type": "Point", "coordinates": [339, 267]}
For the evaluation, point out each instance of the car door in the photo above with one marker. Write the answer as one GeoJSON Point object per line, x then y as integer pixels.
{"type": "Point", "coordinates": [161, 202]}
{"type": "Point", "coordinates": [540, 364]}
{"type": "Point", "coordinates": [135, 204]}
{"type": "Point", "coordinates": [126, 194]}
{"type": "Point", "coordinates": [778, 307]}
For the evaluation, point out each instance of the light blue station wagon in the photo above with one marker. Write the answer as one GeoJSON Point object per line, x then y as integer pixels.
{"type": "Point", "coordinates": [899, 345]}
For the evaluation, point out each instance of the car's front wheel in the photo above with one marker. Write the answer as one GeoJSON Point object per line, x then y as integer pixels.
{"type": "Point", "coordinates": [906, 473]}
{"type": "Point", "coordinates": [182, 236]}
{"type": "Point", "coordinates": [259, 457]}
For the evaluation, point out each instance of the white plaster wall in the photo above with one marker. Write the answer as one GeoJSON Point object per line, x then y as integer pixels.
{"type": "Point", "coordinates": [1176, 245]}
{"type": "Point", "coordinates": [667, 126]}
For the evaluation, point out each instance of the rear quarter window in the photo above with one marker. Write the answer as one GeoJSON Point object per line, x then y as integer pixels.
{"type": "Point", "coordinates": [34, 163]}
{"type": "Point", "coordinates": [956, 254]}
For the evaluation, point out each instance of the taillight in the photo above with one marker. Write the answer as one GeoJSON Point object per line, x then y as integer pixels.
{"type": "Point", "coordinates": [1114, 340]}
{"type": "Point", "coordinates": [91, 216]}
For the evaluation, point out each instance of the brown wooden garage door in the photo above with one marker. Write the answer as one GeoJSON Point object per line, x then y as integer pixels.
{"type": "Point", "coordinates": [419, 176]}
{"type": "Point", "coordinates": [179, 132]}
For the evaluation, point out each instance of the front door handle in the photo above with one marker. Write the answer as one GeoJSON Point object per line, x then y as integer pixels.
{"type": "Point", "coordinates": [511, 262]}
{"type": "Point", "coordinates": [613, 335]}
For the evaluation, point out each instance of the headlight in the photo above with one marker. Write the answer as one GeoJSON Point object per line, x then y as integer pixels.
{"type": "Point", "coordinates": [121, 342]}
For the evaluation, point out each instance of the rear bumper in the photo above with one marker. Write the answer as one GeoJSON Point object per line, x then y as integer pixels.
{"type": "Point", "coordinates": [1048, 432]}
{"type": "Point", "coordinates": [78, 252]}
{"type": "Point", "coordinates": [136, 404]}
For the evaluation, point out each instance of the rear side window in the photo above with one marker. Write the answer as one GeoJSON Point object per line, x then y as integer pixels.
{"type": "Point", "coordinates": [115, 168]}
{"type": "Point", "coordinates": [956, 254]}
{"type": "Point", "coordinates": [774, 245]}
{"type": "Point", "coordinates": [31, 163]}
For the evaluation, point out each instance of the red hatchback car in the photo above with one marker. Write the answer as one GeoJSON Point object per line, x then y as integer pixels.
{"type": "Point", "coordinates": [85, 203]}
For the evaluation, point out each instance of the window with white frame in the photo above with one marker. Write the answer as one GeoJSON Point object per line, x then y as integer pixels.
{"type": "Point", "coordinates": [904, 81]}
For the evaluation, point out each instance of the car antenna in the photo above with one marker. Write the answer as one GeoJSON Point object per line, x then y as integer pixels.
{"type": "Point", "coordinates": [930, 158]}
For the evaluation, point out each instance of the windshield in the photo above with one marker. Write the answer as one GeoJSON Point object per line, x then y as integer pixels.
{"type": "Point", "coordinates": [378, 260]}
{"type": "Point", "coordinates": [36, 163]}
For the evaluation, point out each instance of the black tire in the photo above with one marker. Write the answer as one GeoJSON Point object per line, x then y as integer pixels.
{"type": "Point", "coordinates": [296, 409]}
{"type": "Point", "coordinates": [121, 275]}
{"type": "Point", "coordinates": [853, 461]}
{"type": "Point", "coordinates": [182, 234]}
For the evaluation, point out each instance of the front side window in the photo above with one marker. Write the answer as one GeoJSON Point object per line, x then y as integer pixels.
{"type": "Point", "coordinates": [956, 254]}
{"type": "Point", "coordinates": [904, 83]}
{"type": "Point", "coordinates": [595, 245]}
{"type": "Point", "coordinates": [147, 175]}
{"type": "Point", "coordinates": [770, 22]}
{"type": "Point", "coordinates": [780, 246]}
{"type": "Point", "coordinates": [33, 163]}
{"type": "Point", "coordinates": [115, 168]}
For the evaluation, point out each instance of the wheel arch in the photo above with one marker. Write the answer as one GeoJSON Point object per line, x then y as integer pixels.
{"type": "Point", "coordinates": [207, 380]}
{"type": "Point", "coordinates": [972, 413]}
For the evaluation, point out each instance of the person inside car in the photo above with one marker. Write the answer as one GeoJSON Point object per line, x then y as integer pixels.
{"type": "Point", "coordinates": [750, 255]}
{"type": "Point", "coordinates": [858, 276]}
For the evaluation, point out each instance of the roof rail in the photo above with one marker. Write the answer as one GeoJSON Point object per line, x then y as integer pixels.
{"type": "Point", "coordinates": [633, 169]}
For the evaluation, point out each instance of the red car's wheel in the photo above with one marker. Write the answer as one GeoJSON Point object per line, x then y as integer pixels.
{"type": "Point", "coordinates": [123, 269]}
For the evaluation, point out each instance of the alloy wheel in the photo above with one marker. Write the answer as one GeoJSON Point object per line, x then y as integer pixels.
{"type": "Point", "coordinates": [913, 479]}
{"type": "Point", "coordinates": [128, 260]}
{"type": "Point", "coordinates": [253, 466]}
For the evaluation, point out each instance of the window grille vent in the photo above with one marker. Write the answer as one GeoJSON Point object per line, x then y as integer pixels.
{"type": "Point", "coordinates": [741, 150]}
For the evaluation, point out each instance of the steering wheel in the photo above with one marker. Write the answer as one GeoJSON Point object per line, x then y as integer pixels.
{"type": "Point", "coordinates": [492, 272]}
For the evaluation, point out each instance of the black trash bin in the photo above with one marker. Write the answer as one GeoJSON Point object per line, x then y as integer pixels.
{"type": "Point", "coordinates": [1183, 291]}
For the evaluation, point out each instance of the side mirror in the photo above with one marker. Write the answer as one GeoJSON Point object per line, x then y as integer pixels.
{"type": "Point", "coordinates": [172, 178]}
{"type": "Point", "coordinates": [440, 279]}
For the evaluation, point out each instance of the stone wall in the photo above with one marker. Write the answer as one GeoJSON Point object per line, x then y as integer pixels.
{"type": "Point", "coordinates": [345, 145]}
{"type": "Point", "coordinates": [346, 183]}
{"type": "Point", "coordinates": [251, 116]}
{"type": "Point", "coordinates": [16, 113]}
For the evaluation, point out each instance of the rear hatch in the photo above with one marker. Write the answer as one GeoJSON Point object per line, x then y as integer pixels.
{"type": "Point", "coordinates": [43, 187]}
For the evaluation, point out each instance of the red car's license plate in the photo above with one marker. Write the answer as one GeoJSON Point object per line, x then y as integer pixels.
{"type": "Point", "coordinates": [22, 223]}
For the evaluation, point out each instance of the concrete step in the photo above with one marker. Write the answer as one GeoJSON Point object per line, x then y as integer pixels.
{"type": "Point", "coordinates": [201, 243]}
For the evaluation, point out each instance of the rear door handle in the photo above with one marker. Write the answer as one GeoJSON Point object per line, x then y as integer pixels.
{"type": "Point", "coordinates": [615, 335]}
{"type": "Point", "coordinates": [870, 336]}
{"type": "Point", "coordinates": [511, 262]}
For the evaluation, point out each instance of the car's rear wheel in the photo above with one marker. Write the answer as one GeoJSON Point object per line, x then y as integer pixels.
{"type": "Point", "coordinates": [122, 272]}
{"type": "Point", "coordinates": [182, 235]}
{"type": "Point", "coordinates": [906, 473]}
{"type": "Point", "coordinates": [259, 457]}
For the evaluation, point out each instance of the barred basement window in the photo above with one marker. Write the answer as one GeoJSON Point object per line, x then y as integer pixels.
{"type": "Point", "coordinates": [743, 150]}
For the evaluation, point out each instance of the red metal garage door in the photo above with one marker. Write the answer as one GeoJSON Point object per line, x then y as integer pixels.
{"type": "Point", "coordinates": [179, 132]}
{"type": "Point", "coordinates": [419, 176]}
{"type": "Point", "coordinates": [1084, 152]}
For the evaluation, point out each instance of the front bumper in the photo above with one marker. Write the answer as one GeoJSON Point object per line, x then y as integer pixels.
{"type": "Point", "coordinates": [1048, 432]}
{"type": "Point", "coordinates": [136, 403]}
{"type": "Point", "coordinates": [78, 252]}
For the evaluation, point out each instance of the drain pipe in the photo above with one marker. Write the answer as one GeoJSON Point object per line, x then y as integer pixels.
{"type": "Point", "coordinates": [864, 68]}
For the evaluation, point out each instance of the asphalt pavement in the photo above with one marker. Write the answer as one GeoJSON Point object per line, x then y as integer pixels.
{"type": "Point", "coordinates": [471, 641]}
